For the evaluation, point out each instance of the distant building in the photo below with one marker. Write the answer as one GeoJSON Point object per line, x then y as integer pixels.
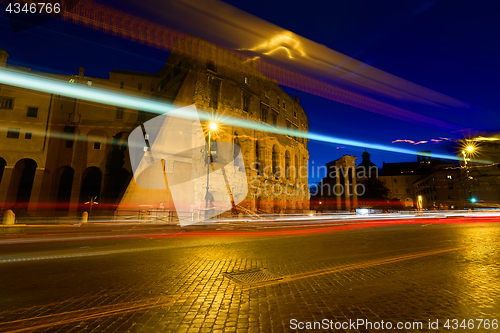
{"type": "Point", "coordinates": [366, 169]}
{"type": "Point", "coordinates": [338, 189]}
{"type": "Point", "coordinates": [439, 189]}
{"type": "Point", "coordinates": [400, 178]}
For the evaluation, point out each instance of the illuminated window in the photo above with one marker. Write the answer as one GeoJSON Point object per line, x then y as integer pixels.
{"type": "Point", "coordinates": [32, 112]}
{"type": "Point", "coordinates": [449, 177]}
{"type": "Point", "coordinates": [89, 83]}
{"type": "Point", "coordinates": [13, 133]}
{"type": "Point", "coordinates": [247, 80]}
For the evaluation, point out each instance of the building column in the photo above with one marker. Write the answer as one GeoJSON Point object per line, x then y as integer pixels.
{"type": "Point", "coordinates": [75, 193]}
{"type": "Point", "coordinates": [354, 192]}
{"type": "Point", "coordinates": [40, 189]}
{"type": "Point", "coordinates": [346, 189]}
{"type": "Point", "coordinates": [337, 185]}
{"type": "Point", "coordinates": [5, 184]}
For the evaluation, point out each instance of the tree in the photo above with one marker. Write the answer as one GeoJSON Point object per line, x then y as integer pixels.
{"type": "Point", "coordinates": [375, 189]}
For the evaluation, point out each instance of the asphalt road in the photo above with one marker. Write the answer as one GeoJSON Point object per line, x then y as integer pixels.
{"type": "Point", "coordinates": [164, 279]}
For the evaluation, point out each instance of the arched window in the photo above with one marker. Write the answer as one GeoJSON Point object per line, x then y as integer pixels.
{"type": "Point", "coordinates": [287, 165]}
{"type": "Point", "coordinates": [258, 162]}
{"type": "Point", "coordinates": [296, 168]}
{"type": "Point", "coordinates": [276, 164]}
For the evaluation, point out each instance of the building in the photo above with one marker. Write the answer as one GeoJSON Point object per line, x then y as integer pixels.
{"type": "Point", "coordinates": [338, 189]}
{"type": "Point", "coordinates": [439, 190]}
{"type": "Point", "coordinates": [58, 152]}
{"type": "Point", "coordinates": [402, 178]}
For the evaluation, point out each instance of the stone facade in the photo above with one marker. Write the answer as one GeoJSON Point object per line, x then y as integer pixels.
{"type": "Point", "coordinates": [338, 190]}
{"type": "Point", "coordinates": [220, 84]}
{"type": "Point", "coordinates": [56, 151]}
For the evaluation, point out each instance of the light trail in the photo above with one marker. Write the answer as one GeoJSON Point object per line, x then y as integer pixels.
{"type": "Point", "coordinates": [53, 86]}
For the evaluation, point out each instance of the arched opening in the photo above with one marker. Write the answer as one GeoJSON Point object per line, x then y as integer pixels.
{"type": "Point", "coordinates": [2, 168]}
{"type": "Point", "coordinates": [64, 189]}
{"type": "Point", "coordinates": [296, 169]}
{"type": "Point", "coordinates": [258, 158]}
{"type": "Point", "coordinates": [287, 164]}
{"type": "Point", "coordinates": [24, 171]}
{"type": "Point", "coordinates": [276, 164]}
{"type": "Point", "coordinates": [91, 184]}
{"type": "Point", "coordinates": [117, 176]}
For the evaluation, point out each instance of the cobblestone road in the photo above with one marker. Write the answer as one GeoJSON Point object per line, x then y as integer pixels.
{"type": "Point", "coordinates": [167, 283]}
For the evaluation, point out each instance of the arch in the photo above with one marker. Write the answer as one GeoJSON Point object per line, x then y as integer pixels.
{"type": "Point", "coordinates": [288, 161]}
{"type": "Point", "coordinates": [3, 163]}
{"type": "Point", "coordinates": [91, 184]}
{"type": "Point", "coordinates": [296, 168]}
{"type": "Point", "coordinates": [259, 158]}
{"type": "Point", "coordinates": [276, 162]}
{"type": "Point", "coordinates": [117, 177]}
{"type": "Point", "coordinates": [65, 183]}
{"type": "Point", "coordinates": [22, 182]}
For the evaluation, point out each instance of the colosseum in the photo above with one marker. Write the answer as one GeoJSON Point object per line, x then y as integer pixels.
{"type": "Point", "coordinates": [73, 150]}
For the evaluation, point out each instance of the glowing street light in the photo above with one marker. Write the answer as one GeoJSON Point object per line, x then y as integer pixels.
{"type": "Point", "coordinates": [419, 203]}
{"type": "Point", "coordinates": [470, 148]}
{"type": "Point", "coordinates": [212, 127]}
{"type": "Point", "coordinates": [473, 200]}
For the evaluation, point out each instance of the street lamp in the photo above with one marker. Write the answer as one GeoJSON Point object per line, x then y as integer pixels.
{"type": "Point", "coordinates": [212, 127]}
{"type": "Point", "coordinates": [469, 149]}
{"type": "Point", "coordinates": [419, 203]}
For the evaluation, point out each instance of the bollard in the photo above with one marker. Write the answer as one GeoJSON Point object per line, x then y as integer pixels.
{"type": "Point", "coordinates": [85, 217]}
{"type": "Point", "coordinates": [9, 218]}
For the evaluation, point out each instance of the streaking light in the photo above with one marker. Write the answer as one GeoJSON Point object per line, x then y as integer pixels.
{"type": "Point", "coordinates": [52, 86]}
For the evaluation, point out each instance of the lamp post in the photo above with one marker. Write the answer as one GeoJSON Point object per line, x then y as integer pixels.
{"type": "Point", "coordinates": [469, 149]}
{"type": "Point", "coordinates": [419, 203]}
{"type": "Point", "coordinates": [211, 127]}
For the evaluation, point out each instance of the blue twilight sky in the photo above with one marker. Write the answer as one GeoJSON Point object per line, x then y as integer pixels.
{"type": "Point", "coordinates": [448, 46]}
